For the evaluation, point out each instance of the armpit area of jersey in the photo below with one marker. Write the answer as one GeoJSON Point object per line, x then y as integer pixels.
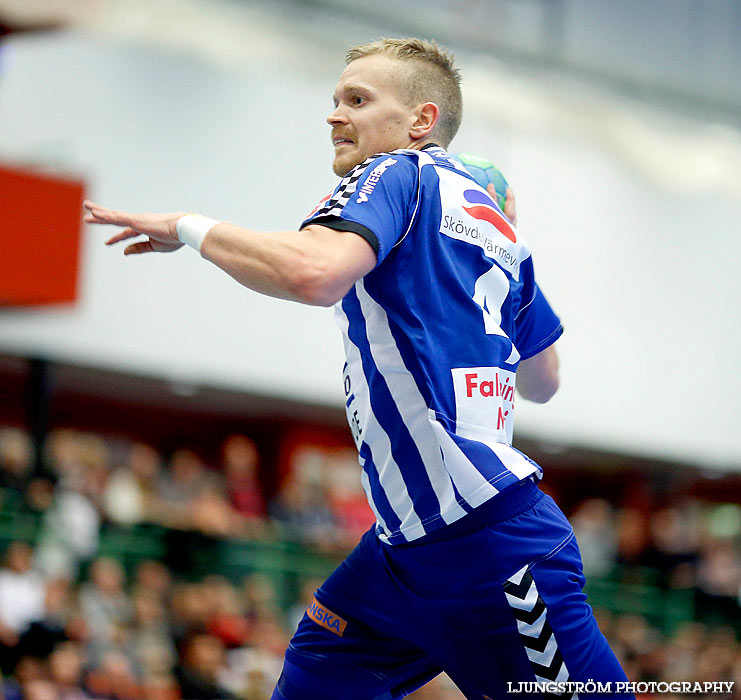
{"type": "Point", "coordinates": [338, 224]}
{"type": "Point", "coordinates": [543, 344]}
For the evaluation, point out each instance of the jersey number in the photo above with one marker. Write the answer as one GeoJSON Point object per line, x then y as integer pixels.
{"type": "Point", "coordinates": [490, 292]}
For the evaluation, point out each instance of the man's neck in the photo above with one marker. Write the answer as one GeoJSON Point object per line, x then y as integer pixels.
{"type": "Point", "coordinates": [422, 144]}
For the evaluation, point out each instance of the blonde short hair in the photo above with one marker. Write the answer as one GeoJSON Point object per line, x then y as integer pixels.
{"type": "Point", "coordinates": [432, 77]}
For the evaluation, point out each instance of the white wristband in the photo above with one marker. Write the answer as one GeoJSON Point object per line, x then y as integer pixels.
{"type": "Point", "coordinates": [192, 229]}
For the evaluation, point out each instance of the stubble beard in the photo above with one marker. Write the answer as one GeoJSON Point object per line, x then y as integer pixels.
{"type": "Point", "coordinates": [342, 167]}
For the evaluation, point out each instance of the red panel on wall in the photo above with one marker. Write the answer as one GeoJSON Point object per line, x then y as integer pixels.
{"type": "Point", "coordinates": [40, 225]}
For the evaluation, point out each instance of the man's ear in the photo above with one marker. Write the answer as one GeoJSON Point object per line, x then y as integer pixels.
{"type": "Point", "coordinates": [427, 117]}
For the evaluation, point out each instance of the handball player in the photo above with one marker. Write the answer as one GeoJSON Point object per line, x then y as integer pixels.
{"type": "Point", "coordinates": [470, 568]}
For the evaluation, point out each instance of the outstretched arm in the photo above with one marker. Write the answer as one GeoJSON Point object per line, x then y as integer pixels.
{"type": "Point", "coordinates": [316, 265]}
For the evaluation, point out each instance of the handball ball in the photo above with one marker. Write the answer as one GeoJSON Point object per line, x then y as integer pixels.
{"type": "Point", "coordinates": [485, 172]}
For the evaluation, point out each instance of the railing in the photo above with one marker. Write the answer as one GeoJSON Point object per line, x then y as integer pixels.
{"type": "Point", "coordinates": [288, 564]}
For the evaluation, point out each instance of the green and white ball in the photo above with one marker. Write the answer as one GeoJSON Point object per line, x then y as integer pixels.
{"type": "Point", "coordinates": [485, 172]}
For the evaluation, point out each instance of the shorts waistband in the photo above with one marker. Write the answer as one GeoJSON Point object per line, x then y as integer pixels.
{"type": "Point", "coordinates": [506, 504]}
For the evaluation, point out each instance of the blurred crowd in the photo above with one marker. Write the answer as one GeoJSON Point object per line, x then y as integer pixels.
{"type": "Point", "coordinates": [152, 637]}
{"type": "Point", "coordinates": [76, 626]}
{"type": "Point", "coordinates": [149, 637]}
{"type": "Point", "coordinates": [684, 546]}
{"type": "Point", "coordinates": [85, 481]}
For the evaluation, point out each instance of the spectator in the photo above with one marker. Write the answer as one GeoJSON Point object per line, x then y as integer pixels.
{"type": "Point", "coordinates": [210, 513]}
{"type": "Point", "coordinates": [631, 530]}
{"type": "Point", "coordinates": [195, 509]}
{"type": "Point", "coordinates": [185, 478]}
{"type": "Point", "coordinates": [258, 667]}
{"type": "Point", "coordinates": [62, 450]}
{"type": "Point", "coordinates": [716, 660]}
{"type": "Point", "coordinates": [719, 580]}
{"type": "Point", "coordinates": [40, 690]}
{"type": "Point", "coordinates": [95, 459]}
{"type": "Point", "coordinates": [260, 598]}
{"type": "Point", "coordinates": [103, 600]}
{"type": "Point", "coordinates": [65, 671]}
{"type": "Point", "coordinates": [189, 609]}
{"type": "Point", "coordinates": [80, 461]}
{"type": "Point", "coordinates": [682, 650]}
{"type": "Point", "coordinates": [301, 508]}
{"type": "Point", "coordinates": [16, 459]}
{"type": "Point", "coordinates": [350, 510]}
{"type": "Point", "coordinates": [53, 626]}
{"type": "Point", "coordinates": [40, 494]}
{"type": "Point", "coordinates": [240, 462]}
{"type": "Point", "coordinates": [21, 600]}
{"type": "Point", "coordinates": [215, 606]}
{"type": "Point", "coordinates": [161, 687]}
{"type": "Point", "coordinates": [594, 526]}
{"type": "Point", "coordinates": [634, 641]}
{"type": "Point", "coordinates": [149, 645]}
{"type": "Point", "coordinates": [130, 497]}
{"type": "Point", "coordinates": [153, 577]}
{"type": "Point", "coordinates": [227, 619]}
{"type": "Point", "coordinates": [201, 662]}
{"type": "Point", "coordinates": [114, 679]}
{"type": "Point", "coordinates": [674, 550]}
{"type": "Point", "coordinates": [69, 533]}
{"type": "Point", "coordinates": [71, 525]}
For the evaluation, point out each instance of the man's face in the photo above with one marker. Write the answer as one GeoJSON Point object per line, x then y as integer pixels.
{"type": "Point", "coordinates": [370, 116]}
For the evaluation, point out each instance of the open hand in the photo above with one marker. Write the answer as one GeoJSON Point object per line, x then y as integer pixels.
{"type": "Point", "coordinates": [509, 202]}
{"type": "Point", "coordinates": [160, 229]}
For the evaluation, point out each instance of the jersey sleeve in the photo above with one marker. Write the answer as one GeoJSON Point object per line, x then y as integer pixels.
{"type": "Point", "coordinates": [374, 200]}
{"type": "Point", "coordinates": [536, 325]}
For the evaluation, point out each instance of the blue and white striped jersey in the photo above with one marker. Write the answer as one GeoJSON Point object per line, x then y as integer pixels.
{"type": "Point", "coordinates": [433, 336]}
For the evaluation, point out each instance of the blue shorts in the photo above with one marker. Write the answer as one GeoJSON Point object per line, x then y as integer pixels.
{"type": "Point", "coordinates": [492, 605]}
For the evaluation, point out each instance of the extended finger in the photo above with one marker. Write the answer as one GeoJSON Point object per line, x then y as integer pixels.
{"type": "Point", "coordinates": [122, 236]}
{"type": "Point", "coordinates": [510, 195]}
{"type": "Point", "coordinates": [94, 219]}
{"type": "Point", "coordinates": [139, 247]}
{"type": "Point", "coordinates": [95, 212]}
{"type": "Point", "coordinates": [101, 215]}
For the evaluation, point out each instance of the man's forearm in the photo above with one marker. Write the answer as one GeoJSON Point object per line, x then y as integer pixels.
{"type": "Point", "coordinates": [270, 263]}
{"type": "Point", "coordinates": [314, 266]}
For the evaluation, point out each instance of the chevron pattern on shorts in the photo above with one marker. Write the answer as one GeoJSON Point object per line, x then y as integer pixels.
{"type": "Point", "coordinates": [536, 634]}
